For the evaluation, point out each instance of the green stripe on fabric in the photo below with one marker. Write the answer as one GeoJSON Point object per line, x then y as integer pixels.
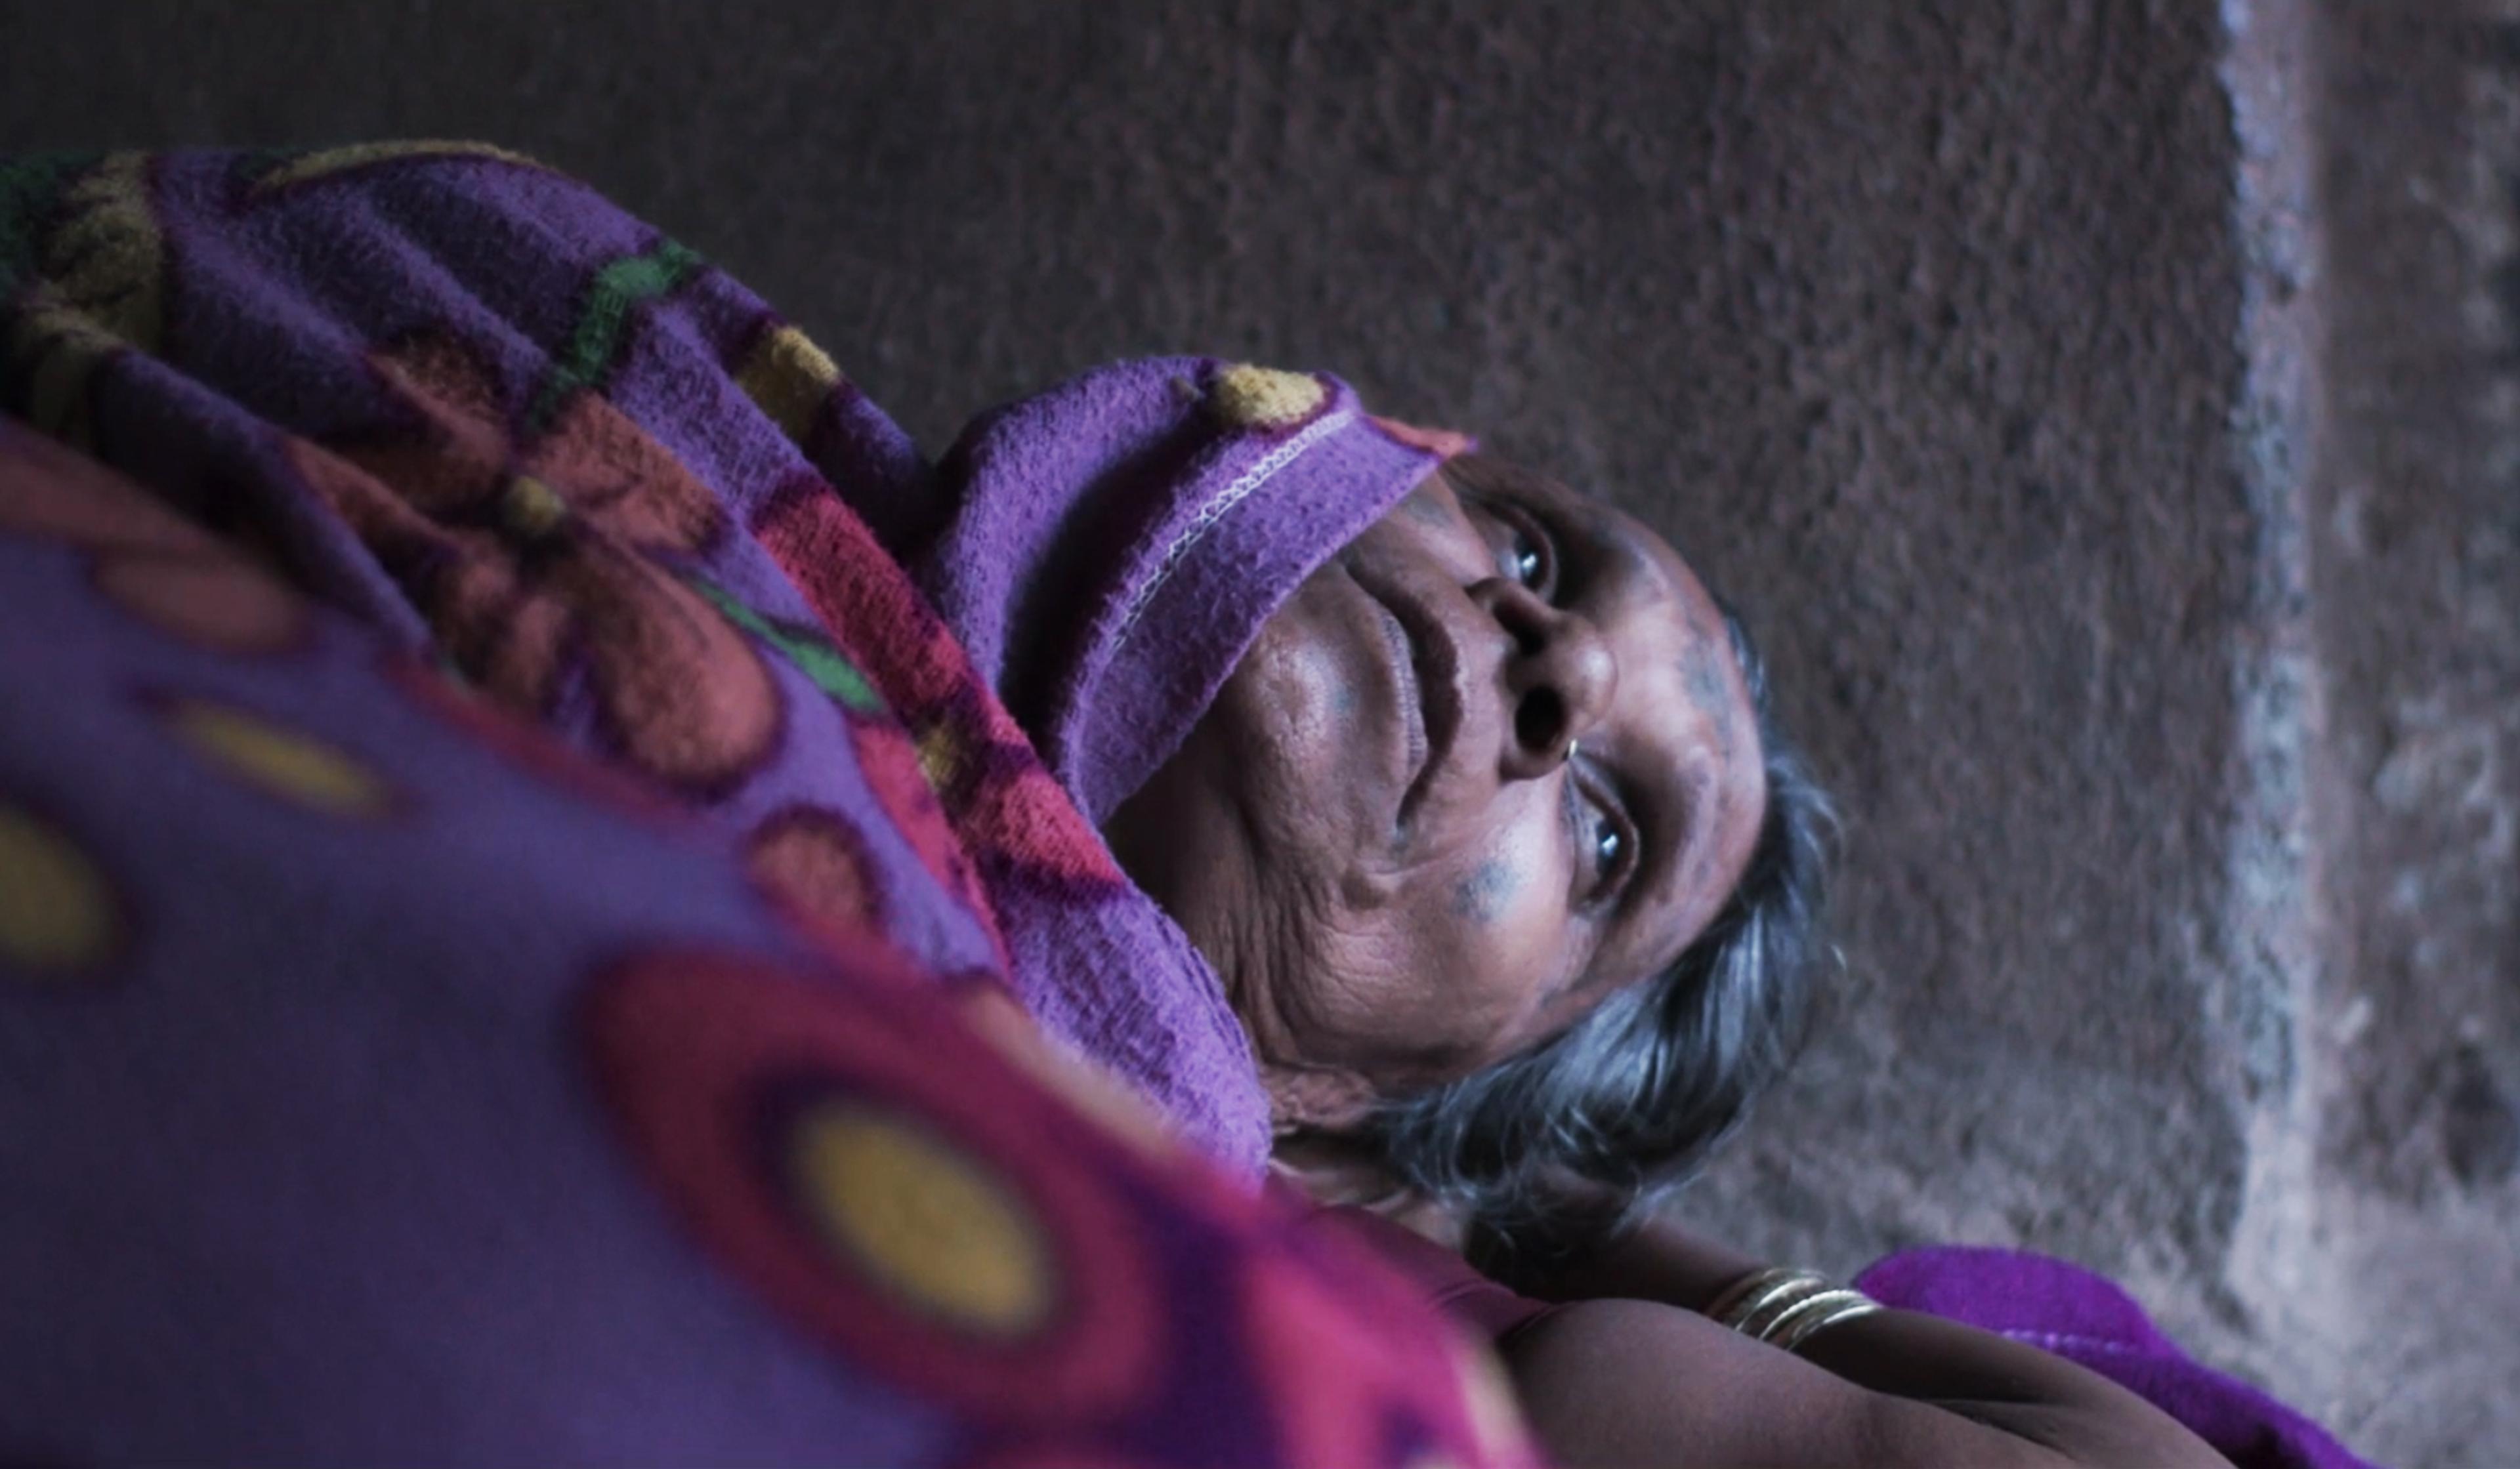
{"type": "Point", "coordinates": [605, 319]}
{"type": "Point", "coordinates": [817, 659]}
{"type": "Point", "coordinates": [833, 674]}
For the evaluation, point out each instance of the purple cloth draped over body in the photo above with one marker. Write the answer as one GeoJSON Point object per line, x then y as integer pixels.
{"type": "Point", "coordinates": [1101, 554]}
{"type": "Point", "coordinates": [2088, 1319]}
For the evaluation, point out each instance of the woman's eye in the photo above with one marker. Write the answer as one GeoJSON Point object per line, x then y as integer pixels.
{"type": "Point", "coordinates": [1609, 845]}
{"type": "Point", "coordinates": [1604, 842]}
{"type": "Point", "coordinates": [1522, 559]}
{"type": "Point", "coordinates": [1523, 554]}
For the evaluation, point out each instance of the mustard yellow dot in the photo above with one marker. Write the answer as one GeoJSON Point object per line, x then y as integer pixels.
{"type": "Point", "coordinates": [788, 378]}
{"type": "Point", "coordinates": [531, 508]}
{"type": "Point", "coordinates": [1258, 397]}
{"type": "Point", "coordinates": [935, 1228]}
{"type": "Point", "coordinates": [941, 756]}
{"type": "Point", "coordinates": [56, 911]}
{"type": "Point", "coordinates": [278, 761]}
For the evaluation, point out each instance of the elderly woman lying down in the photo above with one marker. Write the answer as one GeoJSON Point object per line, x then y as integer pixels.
{"type": "Point", "coordinates": [558, 882]}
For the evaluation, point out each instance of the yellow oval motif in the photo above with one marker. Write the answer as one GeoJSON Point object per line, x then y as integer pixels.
{"type": "Point", "coordinates": [278, 761]}
{"type": "Point", "coordinates": [56, 911]}
{"type": "Point", "coordinates": [933, 1225]}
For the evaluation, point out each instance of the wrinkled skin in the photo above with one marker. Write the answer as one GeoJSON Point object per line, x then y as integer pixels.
{"type": "Point", "coordinates": [1376, 834]}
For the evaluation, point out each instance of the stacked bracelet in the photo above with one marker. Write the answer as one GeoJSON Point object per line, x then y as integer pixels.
{"type": "Point", "coordinates": [1785, 1308]}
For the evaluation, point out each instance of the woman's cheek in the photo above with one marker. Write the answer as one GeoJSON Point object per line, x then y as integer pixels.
{"type": "Point", "coordinates": [1486, 894]}
{"type": "Point", "coordinates": [1510, 930]}
{"type": "Point", "coordinates": [1503, 888]}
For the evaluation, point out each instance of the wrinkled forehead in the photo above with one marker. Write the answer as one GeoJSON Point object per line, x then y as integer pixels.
{"type": "Point", "coordinates": [1661, 562]}
{"type": "Point", "coordinates": [1718, 690]}
{"type": "Point", "coordinates": [1662, 571]}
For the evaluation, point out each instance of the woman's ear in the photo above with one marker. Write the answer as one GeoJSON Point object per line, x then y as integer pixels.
{"type": "Point", "coordinates": [1319, 1100]}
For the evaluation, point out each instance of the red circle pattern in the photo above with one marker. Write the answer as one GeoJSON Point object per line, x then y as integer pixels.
{"type": "Point", "coordinates": [699, 1053]}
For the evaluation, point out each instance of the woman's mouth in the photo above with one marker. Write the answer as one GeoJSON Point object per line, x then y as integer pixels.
{"type": "Point", "coordinates": [1426, 672]}
{"type": "Point", "coordinates": [1409, 703]}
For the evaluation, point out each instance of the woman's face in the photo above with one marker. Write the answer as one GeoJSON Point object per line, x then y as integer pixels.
{"type": "Point", "coordinates": [1377, 833]}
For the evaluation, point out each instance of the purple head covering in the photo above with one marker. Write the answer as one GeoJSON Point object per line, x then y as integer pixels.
{"type": "Point", "coordinates": [1107, 550]}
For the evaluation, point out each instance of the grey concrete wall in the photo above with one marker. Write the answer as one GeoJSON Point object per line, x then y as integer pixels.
{"type": "Point", "coordinates": [2392, 1191]}
{"type": "Point", "coordinates": [2105, 420]}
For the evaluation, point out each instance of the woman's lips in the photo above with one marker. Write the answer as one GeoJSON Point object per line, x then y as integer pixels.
{"type": "Point", "coordinates": [1429, 668]}
{"type": "Point", "coordinates": [1410, 703]}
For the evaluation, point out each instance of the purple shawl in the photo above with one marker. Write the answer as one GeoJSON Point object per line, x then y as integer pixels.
{"type": "Point", "coordinates": [509, 895]}
{"type": "Point", "coordinates": [1105, 552]}
{"type": "Point", "coordinates": [497, 422]}
{"type": "Point", "coordinates": [371, 360]}
{"type": "Point", "coordinates": [1108, 548]}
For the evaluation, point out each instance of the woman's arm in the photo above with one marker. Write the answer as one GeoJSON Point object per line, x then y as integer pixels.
{"type": "Point", "coordinates": [1631, 1372]}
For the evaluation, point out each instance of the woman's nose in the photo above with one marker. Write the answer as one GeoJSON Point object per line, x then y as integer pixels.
{"type": "Point", "coordinates": [1557, 682]}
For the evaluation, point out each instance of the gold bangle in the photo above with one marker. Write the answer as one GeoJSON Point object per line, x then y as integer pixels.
{"type": "Point", "coordinates": [1789, 1324]}
{"type": "Point", "coordinates": [1772, 1295]}
{"type": "Point", "coordinates": [1786, 1307]}
{"type": "Point", "coordinates": [1862, 1306]}
{"type": "Point", "coordinates": [1754, 1291]}
{"type": "Point", "coordinates": [1786, 1304]}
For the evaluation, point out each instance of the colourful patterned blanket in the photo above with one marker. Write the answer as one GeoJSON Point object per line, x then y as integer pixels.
{"type": "Point", "coordinates": [522, 932]}
{"type": "Point", "coordinates": [517, 431]}
{"type": "Point", "coordinates": [504, 950]}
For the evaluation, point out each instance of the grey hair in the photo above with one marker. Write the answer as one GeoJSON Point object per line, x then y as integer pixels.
{"type": "Point", "coordinates": [1575, 1139]}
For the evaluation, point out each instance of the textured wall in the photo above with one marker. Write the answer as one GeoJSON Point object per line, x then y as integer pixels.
{"type": "Point", "coordinates": [2419, 537]}
{"type": "Point", "coordinates": [1953, 339]}
{"type": "Point", "coordinates": [2397, 1196]}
